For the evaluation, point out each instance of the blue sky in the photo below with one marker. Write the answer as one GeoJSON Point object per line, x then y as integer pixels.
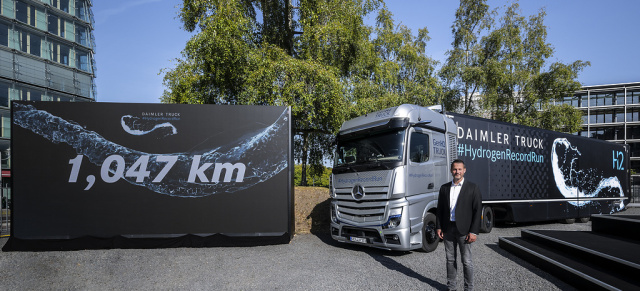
{"type": "Point", "coordinates": [136, 39]}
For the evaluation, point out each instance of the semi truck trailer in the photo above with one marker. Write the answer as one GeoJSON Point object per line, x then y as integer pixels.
{"type": "Point", "coordinates": [389, 166]}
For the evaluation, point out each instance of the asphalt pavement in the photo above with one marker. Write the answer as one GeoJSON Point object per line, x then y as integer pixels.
{"type": "Point", "coordinates": [309, 262]}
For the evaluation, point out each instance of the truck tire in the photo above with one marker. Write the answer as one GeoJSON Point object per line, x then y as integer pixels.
{"type": "Point", "coordinates": [568, 220]}
{"type": "Point", "coordinates": [430, 238]}
{"type": "Point", "coordinates": [486, 222]}
{"type": "Point", "coordinates": [584, 219]}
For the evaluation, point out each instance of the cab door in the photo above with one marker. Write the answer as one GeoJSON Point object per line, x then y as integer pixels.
{"type": "Point", "coordinates": [419, 163]}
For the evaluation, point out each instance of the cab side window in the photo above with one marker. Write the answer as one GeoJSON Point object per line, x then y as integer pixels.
{"type": "Point", "coordinates": [419, 150]}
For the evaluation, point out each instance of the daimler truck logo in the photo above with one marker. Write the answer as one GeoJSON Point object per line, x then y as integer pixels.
{"type": "Point", "coordinates": [357, 192]}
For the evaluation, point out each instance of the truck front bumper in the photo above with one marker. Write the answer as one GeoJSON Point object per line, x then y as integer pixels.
{"type": "Point", "coordinates": [398, 239]}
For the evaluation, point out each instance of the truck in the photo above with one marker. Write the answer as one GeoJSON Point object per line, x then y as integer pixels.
{"type": "Point", "coordinates": [389, 166]}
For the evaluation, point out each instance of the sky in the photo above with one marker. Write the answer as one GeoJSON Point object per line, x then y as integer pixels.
{"type": "Point", "coordinates": [136, 39]}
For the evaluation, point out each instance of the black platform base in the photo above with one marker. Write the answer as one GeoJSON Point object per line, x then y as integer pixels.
{"type": "Point", "coordinates": [120, 242]}
{"type": "Point", "coordinates": [604, 260]}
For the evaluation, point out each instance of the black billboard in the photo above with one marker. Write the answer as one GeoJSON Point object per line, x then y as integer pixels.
{"type": "Point", "coordinates": [555, 175]}
{"type": "Point", "coordinates": [141, 171]}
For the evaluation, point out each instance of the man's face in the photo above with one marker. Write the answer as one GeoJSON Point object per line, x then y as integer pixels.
{"type": "Point", "coordinates": [458, 170]}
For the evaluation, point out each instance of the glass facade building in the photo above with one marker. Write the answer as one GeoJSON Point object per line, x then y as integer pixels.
{"type": "Point", "coordinates": [611, 112]}
{"type": "Point", "coordinates": [46, 54]}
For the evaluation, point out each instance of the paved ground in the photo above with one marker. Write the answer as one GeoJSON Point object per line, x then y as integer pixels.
{"type": "Point", "coordinates": [309, 262]}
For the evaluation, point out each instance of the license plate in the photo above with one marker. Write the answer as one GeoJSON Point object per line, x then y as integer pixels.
{"type": "Point", "coordinates": [358, 239]}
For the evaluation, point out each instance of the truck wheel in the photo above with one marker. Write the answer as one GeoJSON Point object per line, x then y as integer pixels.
{"type": "Point", "coordinates": [430, 238]}
{"type": "Point", "coordinates": [486, 222]}
{"type": "Point", "coordinates": [583, 219]}
{"type": "Point", "coordinates": [568, 220]}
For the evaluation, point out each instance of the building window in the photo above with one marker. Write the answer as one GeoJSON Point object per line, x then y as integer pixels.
{"type": "Point", "coordinates": [61, 53]}
{"type": "Point", "coordinates": [4, 34]}
{"type": "Point", "coordinates": [5, 116]}
{"type": "Point", "coordinates": [4, 152]}
{"type": "Point", "coordinates": [633, 115]}
{"type": "Point", "coordinates": [620, 98]}
{"type": "Point", "coordinates": [633, 97]}
{"type": "Point", "coordinates": [584, 100]}
{"type": "Point", "coordinates": [64, 55]}
{"type": "Point", "coordinates": [21, 93]}
{"type": "Point", "coordinates": [82, 60]}
{"type": "Point", "coordinates": [633, 132]}
{"type": "Point", "coordinates": [82, 35]}
{"type": "Point", "coordinates": [81, 11]}
{"type": "Point", "coordinates": [64, 5]}
{"type": "Point", "coordinates": [35, 43]}
{"type": "Point", "coordinates": [619, 116]}
{"type": "Point", "coordinates": [7, 8]}
{"type": "Point", "coordinates": [598, 99]}
{"type": "Point", "coordinates": [4, 94]}
{"type": "Point", "coordinates": [608, 99]}
{"type": "Point", "coordinates": [608, 117]}
{"type": "Point", "coordinates": [619, 133]}
{"type": "Point", "coordinates": [25, 42]}
{"type": "Point", "coordinates": [22, 13]}
{"type": "Point", "coordinates": [54, 25]}
{"type": "Point", "coordinates": [70, 29]}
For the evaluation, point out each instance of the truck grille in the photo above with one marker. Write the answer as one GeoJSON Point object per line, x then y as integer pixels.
{"type": "Point", "coordinates": [368, 209]}
{"type": "Point", "coordinates": [361, 212]}
{"type": "Point", "coordinates": [372, 193]}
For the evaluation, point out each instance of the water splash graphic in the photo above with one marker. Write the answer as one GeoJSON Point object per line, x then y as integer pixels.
{"type": "Point", "coordinates": [137, 126]}
{"type": "Point", "coordinates": [581, 184]}
{"type": "Point", "coordinates": [273, 139]}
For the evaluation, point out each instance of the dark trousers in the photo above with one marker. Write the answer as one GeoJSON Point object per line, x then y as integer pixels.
{"type": "Point", "coordinates": [453, 240]}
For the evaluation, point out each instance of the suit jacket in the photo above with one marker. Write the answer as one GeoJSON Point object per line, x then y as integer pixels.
{"type": "Point", "coordinates": [468, 209]}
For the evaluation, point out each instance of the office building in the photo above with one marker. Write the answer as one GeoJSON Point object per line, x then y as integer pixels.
{"type": "Point", "coordinates": [611, 112]}
{"type": "Point", "coordinates": [46, 54]}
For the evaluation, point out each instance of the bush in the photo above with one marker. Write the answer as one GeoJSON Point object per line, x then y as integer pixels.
{"type": "Point", "coordinates": [313, 179]}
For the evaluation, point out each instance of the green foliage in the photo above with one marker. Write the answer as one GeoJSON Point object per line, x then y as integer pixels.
{"type": "Point", "coordinates": [319, 177]}
{"type": "Point", "coordinates": [333, 68]}
{"type": "Point", "coordinates": [462, 72]}
{"type": "Point", "coordinates": [508, 68]}
{"type": "Point", "coordinates": [322, 60]}
{"type": "Point", "coordinates": [397, 72]}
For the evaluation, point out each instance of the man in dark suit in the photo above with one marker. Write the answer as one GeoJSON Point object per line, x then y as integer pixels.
{"type": "Point", "coordinates": [458, 222]}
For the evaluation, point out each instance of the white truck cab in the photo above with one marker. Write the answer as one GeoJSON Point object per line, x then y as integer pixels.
{"type": "Point", "coordinates": [388, 169]}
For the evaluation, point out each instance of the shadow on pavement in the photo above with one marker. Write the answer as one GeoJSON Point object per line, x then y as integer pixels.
{"type": "Point", "coordinates": [320, 228]}
{"type": "Point", "coordinates": [533, 269]}
{"type": "Point", "coordinates": [391, 264]}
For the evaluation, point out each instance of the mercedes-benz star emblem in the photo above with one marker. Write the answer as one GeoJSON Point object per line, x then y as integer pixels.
{"type": "Point", "coordinates": [357, 192]}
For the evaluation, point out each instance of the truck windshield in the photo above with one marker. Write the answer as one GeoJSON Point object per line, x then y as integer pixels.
{"type": "Point", "coordinates": [381, 150]}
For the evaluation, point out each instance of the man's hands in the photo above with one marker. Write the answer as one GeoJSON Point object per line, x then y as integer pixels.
{"type": "Point", "coordinates": [469, 238]}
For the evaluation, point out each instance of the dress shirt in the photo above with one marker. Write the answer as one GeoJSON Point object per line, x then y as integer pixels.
{"type": "Point", "coordinates": [453, 198]}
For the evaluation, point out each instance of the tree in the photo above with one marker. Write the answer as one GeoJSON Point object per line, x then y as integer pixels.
{"type": "Point", "coordinates": [236, 59]}
{"type": "Point", "coordinates": [508, 67]}
{"type": "Point", "coordinates": [318, 58]}
{"type": "Point", "coordinates": [397, 70]}
{"type": "Point", "coordinates": [462, 72]}
{"type": "Point", "coordinates": [317, 178]}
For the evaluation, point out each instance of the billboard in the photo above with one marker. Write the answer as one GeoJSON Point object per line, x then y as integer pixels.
{"type": "Point", "coordinates": [562, 173]}
{"type": "Point", "coordinates": [107, 170]}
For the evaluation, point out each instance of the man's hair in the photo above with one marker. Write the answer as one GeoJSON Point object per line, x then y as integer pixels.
{"type": "Point", "coordinates": [458, 161]}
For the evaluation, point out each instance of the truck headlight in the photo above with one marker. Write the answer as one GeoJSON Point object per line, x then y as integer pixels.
{"type": "Point", "coordinates": [332, 192]}
{"type": "Point", "coordinates": [334, 216]}
{"type": "Point", "coordinates": [395, 217]}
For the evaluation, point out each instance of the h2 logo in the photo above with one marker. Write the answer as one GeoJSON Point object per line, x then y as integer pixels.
{"type": "Point", "coordinates": [618, 159]}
